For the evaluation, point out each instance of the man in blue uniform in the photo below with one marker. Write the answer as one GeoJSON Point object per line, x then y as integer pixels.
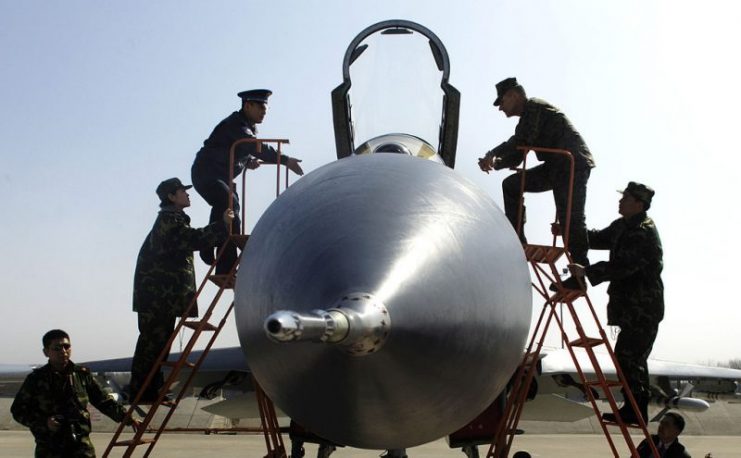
{"type": "Point", "coordinates": [210, 171]}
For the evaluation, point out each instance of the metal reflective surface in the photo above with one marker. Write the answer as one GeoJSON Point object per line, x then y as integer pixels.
{"type": "Point", "coordinates": [430, 247]}
{"type": "Point", "coordinates": [400, 144]}
{"type": "Point", "coordinates": [396, 63]}
{"type": "Point", "coordinates": [358, 322]}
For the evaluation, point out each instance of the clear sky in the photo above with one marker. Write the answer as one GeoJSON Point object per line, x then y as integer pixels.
{"type": "Point", "coordinates": [100, 101]}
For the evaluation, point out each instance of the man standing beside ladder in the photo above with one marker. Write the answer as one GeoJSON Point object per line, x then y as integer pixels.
{"type": "Point", "coordinates": [164, 280]}
{"type": "Point", "coordinates": [636, 291]}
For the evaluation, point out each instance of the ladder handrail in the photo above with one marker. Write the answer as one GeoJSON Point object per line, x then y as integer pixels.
{"type": "Point", "coordinates": [172, 376]}
{"type": "Point", "coordinates": [270, 427]}
{"type": "Point", "coordinates": [525, 372]}
{"type": "Point", "coordinates": [515, 400]}
{"type": "Point", "coordinates": [258, 148]}
{"type": "Point", "coordinates": [570, 195]}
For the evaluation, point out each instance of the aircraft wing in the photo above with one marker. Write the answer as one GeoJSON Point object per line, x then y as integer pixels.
{"type": "Point", "coordinates": [559, 395]}
{"type": "Point", "coordinates": [224, 370]}
{"type": "Point", "coordinates": [228, 358]}
{"type": "Point", "coordinates": [707, 379]}
{"type": "Point", "coordinates": [677, 385]}
{"type": "Point", "coordinates": [555, 407]}
{"type": "Point", "coordinates": [12, 376]}
{"type": "Point", "coordinates": [560, 361]}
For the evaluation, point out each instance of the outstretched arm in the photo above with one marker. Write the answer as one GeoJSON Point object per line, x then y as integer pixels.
{"type": "Point", "coordinates": [294, 166]}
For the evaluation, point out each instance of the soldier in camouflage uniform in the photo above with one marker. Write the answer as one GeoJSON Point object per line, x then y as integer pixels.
{"type": "Point", "coordinates": [541, 124]}
{"type": "Point", "coordinates": [210, 171]}
{"type": "Point", "coordinates": [164, 281]}
{"type": "Point", "coordinates": [53, 402]}
{"type": "Point", "coordinates": [636, 291]}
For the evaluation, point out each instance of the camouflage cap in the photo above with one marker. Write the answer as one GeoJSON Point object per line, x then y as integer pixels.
{"type": "Point", "coordinates": [639, 191]}
{"type": "Point", "coordinates": [504, 86]}
{"type": "Point", "coordinates": [170, 186]}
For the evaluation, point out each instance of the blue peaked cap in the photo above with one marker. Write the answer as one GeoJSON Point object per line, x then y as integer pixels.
{"type": "Point", "coordinates": [255, 95]}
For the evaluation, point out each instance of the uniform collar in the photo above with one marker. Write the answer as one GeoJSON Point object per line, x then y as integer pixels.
{"type": "Point", "coordinates": [68, 369]}
{"type": "Point", "coordinates": [636, 219]}
{"type": "Point", "coordinates": [666, 446]}
{"type": "Point", "coordinates": [170, 209]}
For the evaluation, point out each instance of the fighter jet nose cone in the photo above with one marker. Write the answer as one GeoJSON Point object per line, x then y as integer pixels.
{"type": "Point", "coordinates": [404, 261]}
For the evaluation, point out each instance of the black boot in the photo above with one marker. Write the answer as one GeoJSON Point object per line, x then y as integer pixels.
{"type": "Point", "coordinates": [627, 413]}
{"type": "Point", "coordinates": [325, 450]}
{"type": "Point", "coordinates": [570, 283]}
{"type": "Point", "coordinates": [297, 449]}
{"type": "Point", "coordinates": [471, 451]}
{"type": "Point", "coordinates": [643, 408]}
{"type": "Point", "coordinates": [395, 453]}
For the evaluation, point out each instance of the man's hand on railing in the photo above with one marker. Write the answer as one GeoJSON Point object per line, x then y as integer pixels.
{"type": "Point", "coordinates": [294, 166]}
{"type": "Point", "coordinates": [253, 163]}
{"type": "Point", "coordinates": [228, 217]}
{"type": "Point", "coordinates": [135, 424]}
{"type": "Point", "coordinates": [488, 163]}
{"type": "Point", "coordinates": [577, 270]}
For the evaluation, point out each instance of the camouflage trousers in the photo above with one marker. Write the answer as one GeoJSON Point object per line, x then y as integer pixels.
{"type": "Point", "coordinates": [634, 344]}
{"type": "Point", "coordinates": [82, 448]}
{"type": "Point", "coordinates": [155, 330]}
{"type": "Point", "coordinates": [543, 178]}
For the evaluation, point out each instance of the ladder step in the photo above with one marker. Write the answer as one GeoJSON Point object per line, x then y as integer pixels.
{"type": "Point", "coordinates": [614, 423]}
{"type": "Point", "coordinates": [239, 239]}
{"type": "Point", "coordinates": [194, 325]}
{"type": "Point", "coordinates": [175, 363]}
{"type": "Point", "coordinates": [608, 383]}
{"type": "Point", "coordinates": [166, 403]}
{"type": "Point", "coordinates": [543, 254]}
{"type": "Point", "coordinates": [567, 295]}
{"type": "Point", "coordinates": [127, 443]}
{"type": "Point", "coordinates": [529, 359]}
{"type": "Point", "coordinates": [224, 281]}
{"type": "Point", "coordinates": [587, 342]}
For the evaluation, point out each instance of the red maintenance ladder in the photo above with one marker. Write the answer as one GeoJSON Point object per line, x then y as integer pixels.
{"type": "Point", "coordinates": [202, 326]}
{"type": "Point", "coordinates": [542, 260]}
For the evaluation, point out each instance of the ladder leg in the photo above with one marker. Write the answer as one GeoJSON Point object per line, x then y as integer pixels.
{"type": "Point", "coordinates": [542, 260]}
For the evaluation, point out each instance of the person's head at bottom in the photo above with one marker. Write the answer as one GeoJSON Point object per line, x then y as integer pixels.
{"type": "Point", "coordinates": [670, 427]}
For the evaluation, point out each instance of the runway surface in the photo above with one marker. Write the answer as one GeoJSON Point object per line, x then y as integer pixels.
{"type": "Point", "coordinates": [20, 444]}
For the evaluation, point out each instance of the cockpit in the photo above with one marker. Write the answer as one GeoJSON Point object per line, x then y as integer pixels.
{"type": "Point", "coordinates": [399, 144]}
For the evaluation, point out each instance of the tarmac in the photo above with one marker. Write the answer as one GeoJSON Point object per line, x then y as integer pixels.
{"type": "Point", "coordinates": [20, 444]}
{"type": "Point", "coordinates": [717, 430]}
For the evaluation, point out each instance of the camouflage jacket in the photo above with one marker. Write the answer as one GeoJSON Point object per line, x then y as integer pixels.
{"type": "Point", "coordinates": [542, 124]}
{"type": "Point", "coordinates": [213, 159]}
{"type": "Point", "coordinates": [633, 270]}
{"type": "Point", "coordinates": [46, 393]}
{"type": "Point", "coordinates": [164, 280]}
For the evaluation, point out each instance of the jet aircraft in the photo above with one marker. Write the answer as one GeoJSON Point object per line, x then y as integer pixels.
{"type": "Point", "coordinates": [558, 397]}
{"type": "Point", "coordinates": [386, 286]}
